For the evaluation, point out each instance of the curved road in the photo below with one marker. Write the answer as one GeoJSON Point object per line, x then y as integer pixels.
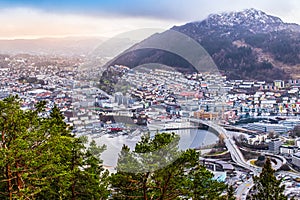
{"type": "Point", "coordinates": [236, 156]}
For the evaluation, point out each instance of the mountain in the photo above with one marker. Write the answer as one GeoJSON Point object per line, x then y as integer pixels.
{"type": "Point", "coordinates": [244, 45]}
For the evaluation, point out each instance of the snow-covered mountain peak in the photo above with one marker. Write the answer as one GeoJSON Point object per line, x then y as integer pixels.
{"type": "Point", "coordinates": [250, 18]}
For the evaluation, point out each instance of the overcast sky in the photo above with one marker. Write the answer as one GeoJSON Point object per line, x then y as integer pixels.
{"type": "Point", "coordinates": [56, 18]}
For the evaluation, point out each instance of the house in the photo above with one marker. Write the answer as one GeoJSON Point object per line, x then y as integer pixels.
{"type": "Point", "coordinates": [279, 84]}
{"type": "Point", "coordinates": [257, 139]}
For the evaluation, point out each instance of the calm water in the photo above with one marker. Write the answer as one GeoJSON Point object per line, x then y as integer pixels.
{"type": "Point", "coordinates": [188, 139]}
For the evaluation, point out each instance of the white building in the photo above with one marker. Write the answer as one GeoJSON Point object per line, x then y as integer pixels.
{"type": "Point", "coordinates": [290, 123]}
{"type": "Point", "coordinates": [287, 150]}
{"type": "Point", "coordinates": [296, 159]}
{"type": "Point", "coordinates": [263, 127]}
{"type": "Point", "coordinates": [257, 139]}
{"type": "Point", "coordinates": [274, 145]}
{"type": "Point", "coordinates": [297, 142]}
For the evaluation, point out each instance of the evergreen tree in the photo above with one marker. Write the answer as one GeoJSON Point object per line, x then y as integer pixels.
{"type": "Point", "coordinates": [230, 193]}
{"type": "Point", "coordinates": [266, 186]}
{"type": "Point", "coordinates": [156, 169]}
{"type": "Point", "coordinates": [41, 159]}
{"type": "Point", "coordinates": [204, 187]}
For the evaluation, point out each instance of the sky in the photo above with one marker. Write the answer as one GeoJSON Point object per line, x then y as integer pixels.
{"type": "Point", "coordinates": [61, 18]}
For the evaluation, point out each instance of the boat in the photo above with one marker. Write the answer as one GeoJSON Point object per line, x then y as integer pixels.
{"type": "Point", "coordinates": [117, 127]}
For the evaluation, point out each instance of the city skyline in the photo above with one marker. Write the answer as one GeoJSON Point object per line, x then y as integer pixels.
{"type": "Point", "coordinates": [32, 19]}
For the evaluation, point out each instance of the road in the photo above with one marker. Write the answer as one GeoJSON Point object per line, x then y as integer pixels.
{"type": "Point", "coordinates": [236, 156]}
{"type": "Point", "coordinates": [280, 160]}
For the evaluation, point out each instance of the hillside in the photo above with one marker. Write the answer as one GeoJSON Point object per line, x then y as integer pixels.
{"type": "Point", "coordinates": [244, 45]}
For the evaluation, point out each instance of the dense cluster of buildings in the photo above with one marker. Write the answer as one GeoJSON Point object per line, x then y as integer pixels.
{"type": "Point", "coordinates": [155, 93]}
{"type": "Point", "coordinates": [157, 96]}
{"type": "Point", "coordinates": [167, 94]}
{"type": "Point", "coordinates": [42, 78]}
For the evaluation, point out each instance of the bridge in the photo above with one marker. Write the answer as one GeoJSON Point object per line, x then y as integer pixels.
{"type": "Point", "coordinates": [234, 151]}
{"type": "Point", "coordinates": [237, 129]}
{"type": "Point", "coordinates": [236, 156]}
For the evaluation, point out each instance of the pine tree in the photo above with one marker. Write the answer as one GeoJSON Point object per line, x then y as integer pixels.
{"type": "Point", "coordinates": [157, 169]}
{"type": "Point", "coordinates": [41, 159]}
{"type": "Point", "coordinates": [204, 187]}
{"type": "Point", "coordinates": [266, 186]}
{"type": "Point", "coordinates": [230, 193]}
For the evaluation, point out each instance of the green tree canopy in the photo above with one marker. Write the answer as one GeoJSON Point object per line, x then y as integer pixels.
{"type": "Point", "coordinates": [266, 186]}
{"type": "Point", "coordinates": [41, 159]}
{"type": "Point", "coordinates": [156, 169]}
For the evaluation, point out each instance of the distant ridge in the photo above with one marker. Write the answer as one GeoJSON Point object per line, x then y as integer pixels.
{"type": "Point", "coordinates": [57, 46]}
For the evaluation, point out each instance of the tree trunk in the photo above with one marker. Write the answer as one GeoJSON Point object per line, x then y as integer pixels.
{"type": "Point", "coordinates": [164, 189]}
{"type": "Point", "coordinates": [9, 184]}
{"type": "Point", "coordinates": [74, 179]}
{"type": "Point", "coordinates": [20, 182]}
{"type": "Point", "coordinates": [8, 169]}
{"type": "Point", "coordinates": [145, 186]}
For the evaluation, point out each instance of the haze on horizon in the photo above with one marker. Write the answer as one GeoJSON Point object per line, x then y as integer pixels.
{"type": "Point", "coordinates": [38, 19]}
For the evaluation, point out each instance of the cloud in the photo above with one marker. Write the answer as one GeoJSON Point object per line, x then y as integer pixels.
{"type": "Point", "coordinates": [194, 10]}
{"type": "Point", "coordinates": [160, 9]}
{"type": "Point", "coordinates": [30, 18]}
{"type": "Point", "coordinates": [32, 23]}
